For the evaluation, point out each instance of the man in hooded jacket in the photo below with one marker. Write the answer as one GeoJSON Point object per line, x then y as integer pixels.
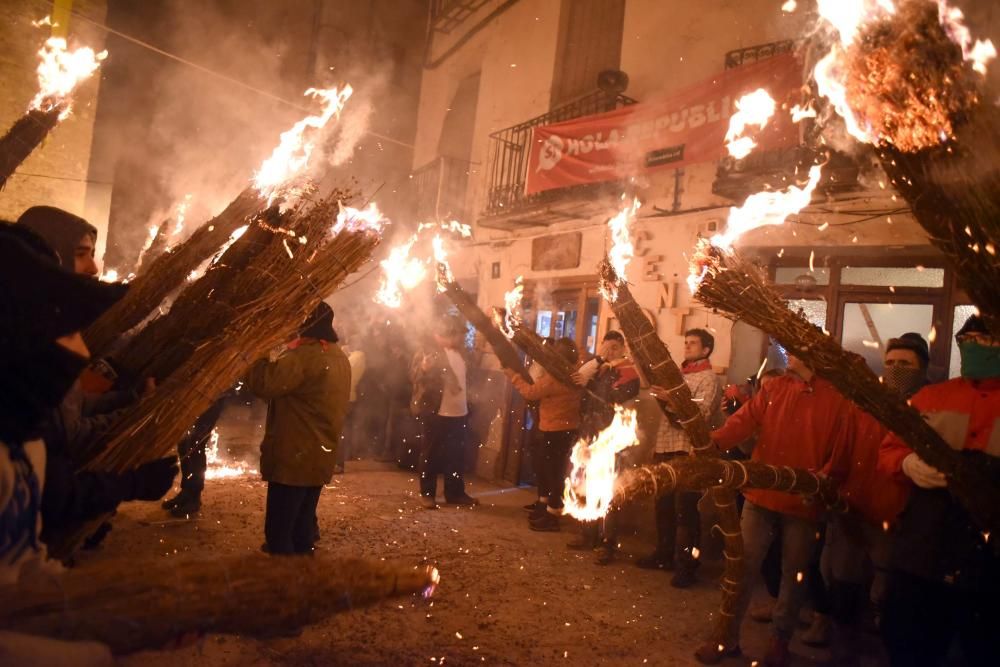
{"type": "Point", "coordinates": [308, 389]}
{"type": "Point", "coordinates": [74, 496]}
{"type": "Point", "coordinates": [42, 310]}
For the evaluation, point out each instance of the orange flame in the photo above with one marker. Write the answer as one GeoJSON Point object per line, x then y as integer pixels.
{"type": "Point", "coordinates": [352, 219]}
{"type": "Point", "coordinates": [590, 488]}
{"type": "Point", "coordinates": [217, 469]}
{"type": "Point", "coordinates": [60, 71]}
{"type": "Point", "coordinates": [767, 208]}
{"type": "Point", "coordinates": [513, 316]}
{"type": "Point", "coordinates": [622, 250]}
{"type": "Point", "coordinates": [980, 51]}
{"type": "Point", "coordinates": [453, 226]}
{"type": "Point", "coordinates": [401, 273]}
{"type": "Point", "coordinates": [291, 157]}
{"type": "Point", "coordinates": [754, 108]}
{"type": "Point", "coordinates": [444, 274]}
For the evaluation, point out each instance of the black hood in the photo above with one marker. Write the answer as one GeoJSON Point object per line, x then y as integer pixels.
{"type": "Point", "coordinates": [60, 229]}
{"type": "Point", "coordinates": [319, 324]}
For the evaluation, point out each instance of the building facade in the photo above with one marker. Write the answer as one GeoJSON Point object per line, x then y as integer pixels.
{"type": "Point", "coordinates": [57, 173]}
{"type": "Point", "coordinates": [854, 261]}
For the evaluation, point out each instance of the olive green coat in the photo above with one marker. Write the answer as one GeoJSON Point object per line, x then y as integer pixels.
{"type": "Point", "coordinates": [307, 390]}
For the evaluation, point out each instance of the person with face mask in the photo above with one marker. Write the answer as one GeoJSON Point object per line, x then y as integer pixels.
{"type": "Point", "coordinates": [945, 571]}
{"type": "Point", "coordinates": [860, 541]}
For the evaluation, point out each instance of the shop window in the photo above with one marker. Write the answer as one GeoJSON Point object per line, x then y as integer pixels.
{"type": "Point", "coordinates": [868, 326]}
{"type": "Point", "coordinates": [962, 313]}
{"type": "Point", "coordinates": [892, 276]}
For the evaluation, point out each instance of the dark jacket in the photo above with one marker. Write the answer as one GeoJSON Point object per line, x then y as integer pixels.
{"type": "Point", "coordinates": [611, 386]}
{"type": "Point", "coordinates": [936, 538]}
{"type": "Point", "coordinates": [308, 390]}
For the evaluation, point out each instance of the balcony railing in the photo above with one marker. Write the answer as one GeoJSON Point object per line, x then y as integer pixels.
{"type": "Point", "coordinates": [439, 189]}
{"type": "Point", "coordinates": [507, 168]}
{"type": "Point", "coordinates": [446, 15]}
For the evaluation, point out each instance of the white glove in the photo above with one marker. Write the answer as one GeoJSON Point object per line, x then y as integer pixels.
{"type": "Point", "coordinates": [923, 475]}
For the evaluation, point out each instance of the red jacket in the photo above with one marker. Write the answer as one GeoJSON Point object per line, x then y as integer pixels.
{"type": "Point", "coordinates": [966, 413]}
{"type": "Point", "coordinates": [876, 495]}
{"type": "Point", "coordinates": [558, 405]}
{"type": "Point", "coordinates": [798, 424]}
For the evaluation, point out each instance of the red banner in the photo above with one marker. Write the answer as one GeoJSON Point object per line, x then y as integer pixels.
{"type": "Point", "coordinates": [689, 127]}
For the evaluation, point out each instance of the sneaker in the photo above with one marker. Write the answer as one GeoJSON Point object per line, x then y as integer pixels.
{"type": "Point", "coordinates": [683, 578]}
{"type": "Point", "coordinates": [549, 523]}
{"type": "Point", "coordinates": [777, 654]}
{"type": "Point", "coordinates": [655, 561]}
{"type": "Point", "coordinates": [428, 503]}
{"type": "Point", "coordinates": [185, 504]}
{"type": "Point", "coordinates": [531, 507]}
{"type": "Point", "coordinates": [538, 512]}
{"type": "Point", "coordinates": [463, 500]}
{"type": "Point", "coordinates": [818, 633]}
{"type": "Point", "coordinates": [763, 613]}
{"type": "Point", "coordinates": [712, 653]}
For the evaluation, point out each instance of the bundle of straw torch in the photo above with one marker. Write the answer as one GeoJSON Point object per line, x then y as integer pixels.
{"type": "Point", "coordinates": [131, 609]}
{"type": "Point", "coordinates": [738, 289]}
{"type": "Point", "coordinates": [911, 82]}
{"type": "Point", "coordinates": [59, 72]}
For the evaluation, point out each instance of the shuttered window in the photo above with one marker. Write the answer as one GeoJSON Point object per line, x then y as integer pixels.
{"type": "Point", "coordinates": [590, 40]}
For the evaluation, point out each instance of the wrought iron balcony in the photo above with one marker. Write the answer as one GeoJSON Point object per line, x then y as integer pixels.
{"type": "Point", "coordinates": [439, 189]}
{"type": "Point", "coordinates": [507, 165]}
{"type": "Point", "coordinates": [761, 170]}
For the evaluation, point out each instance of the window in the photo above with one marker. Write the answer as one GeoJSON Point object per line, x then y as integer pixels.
{"type": "Point", "coordinates": [867, 327]}
{"type": "Point", "coordinates": [864, 300]}
{"type": "Point", "coordinates": [590, 41]}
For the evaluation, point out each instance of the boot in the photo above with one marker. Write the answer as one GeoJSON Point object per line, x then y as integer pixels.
{"type": "Point", "coordinates": [185, 503]}
{"type": "Point", "coordinates": [547, 523]}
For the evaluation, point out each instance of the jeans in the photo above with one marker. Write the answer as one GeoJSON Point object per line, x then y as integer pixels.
{"type": "Point", "coordinates": [290, 518]}
{"type": "Point", "coordinates": [553, 465]}
{"type": "Point", "coordinates": [678, 524]}
{"type": "Point", "coordinates": [855, 548]}
{"type": "Point", "coordinates": [443, 453]}
{"type": "Point", "coordinates": [759, 527]}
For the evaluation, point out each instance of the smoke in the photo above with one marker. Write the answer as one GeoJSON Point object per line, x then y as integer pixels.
{"type": "Point", "coordinates": [202, 128]}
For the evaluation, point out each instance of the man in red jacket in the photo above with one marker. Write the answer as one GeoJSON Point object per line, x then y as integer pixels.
{"type": "Point", "coordinates": [944, 580]}
{"type": "Point", "coordinates": [800, 421]}
{"type": "Point", "coordinates": [861, 540]}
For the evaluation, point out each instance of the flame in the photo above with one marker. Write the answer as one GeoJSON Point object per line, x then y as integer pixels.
{"type": "Point", "coordinates": [369, 219]}
{"type": "Point", "coordinates": [979, 52]}
{"type": "Point", "coordinates": [799, 113]}
{"type": "Point", "coordinates": [513, 315]}
{"type": "Point", "coordinates": [291, 157]}
{"type": "Point", "coordinates": [767, 208]}
{"type": "Point", "coordinates": [754, 108]}
{"type": "Point", "coordinates": [590, 487]}
{"type": "Point", "coordinates": [622, 250]}
{"type": "Point", "coordinates": [60, 71]}
{"type": "Point", "coordinates": [444, 274]}
{"type": "Point", "coordinates": [217, 469]}
{"type": "Point", "coordinates": [400, 273]}
{"type": "Point", "coordinates": [453, 226]}
{"type": "Point", "coordinates": [182, 209]}
{"type": "Point", "coordinates": [789, 6]}
{"type": "Point", "coordinates": [237, 233]}
{"type": "Point", "coordinates": [109, 276]}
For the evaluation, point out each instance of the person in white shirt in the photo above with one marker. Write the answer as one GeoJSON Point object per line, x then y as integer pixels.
{"type": "Point", "coordinates": [440, 402]}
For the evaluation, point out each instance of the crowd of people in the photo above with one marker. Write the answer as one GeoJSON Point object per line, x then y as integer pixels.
{"type": "Point", "coordinates": [907, 551]}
